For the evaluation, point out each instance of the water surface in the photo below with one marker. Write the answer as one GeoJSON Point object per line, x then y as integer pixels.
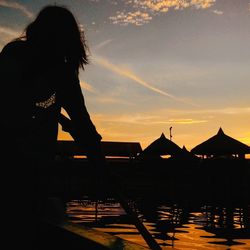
{"type": "Point", "coordinates": [202, 227]}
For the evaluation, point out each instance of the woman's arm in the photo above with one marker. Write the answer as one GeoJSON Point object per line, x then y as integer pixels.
{"type": "Point", "coordinates": [85, 133]}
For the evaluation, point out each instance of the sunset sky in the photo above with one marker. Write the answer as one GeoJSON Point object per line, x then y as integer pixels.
{"type": "Point", "coordinates": [157, 64]}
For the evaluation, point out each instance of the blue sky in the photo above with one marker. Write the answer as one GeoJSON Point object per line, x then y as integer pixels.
{"type": "Point", "coordinates": [157, 64]}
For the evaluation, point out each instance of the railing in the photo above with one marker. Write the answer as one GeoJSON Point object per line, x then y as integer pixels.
{"type": "Point", "coordinates": [109, 148]}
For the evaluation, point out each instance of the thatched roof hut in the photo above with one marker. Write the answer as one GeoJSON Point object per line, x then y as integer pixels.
{"type": "Point", "coordinates": [161, 146]}
{"type": "Point", "coordinates": [184, 155]}
{"type": "Point", "coordinates": [221, 145]}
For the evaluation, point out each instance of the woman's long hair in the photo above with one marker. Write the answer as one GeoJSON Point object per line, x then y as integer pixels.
{"type": "Point", "coordinates": [55, 31]}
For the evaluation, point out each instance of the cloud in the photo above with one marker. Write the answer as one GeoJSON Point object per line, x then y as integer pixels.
{"type": "Point", "coordinates": [99, 96]}
{"type": "Point", "coordinates": [17, 6]}
{"type": "Point", "coordinates": [225, 111]}
{"type": "Point", "coordinates": [218, 12]}
{"type": "Point", "coordinates": [184, 121]}
{"type": "Point", "coordinates": [137, 18]}
{"type": "Point", "coordinates": [165, 5]}
{"type": "Point", "coordinates": [143, 119]}
{"type": "Point", "coordinates": [141, 12]}
{"type": "Point", "coordinates": [87, 87]}
{"type": "Point", "coordinates": [208, 112]}
{"type": "Point", "coordinates": [9, 32]}
{"type": "Point", "coordinates": [102, 44]}
{"type": "Point", "coordinates": [112, 100]}
{"type": "Point", "coordinates": [132, 76]}
{"type": "Point", "coordinates": [202, 4]}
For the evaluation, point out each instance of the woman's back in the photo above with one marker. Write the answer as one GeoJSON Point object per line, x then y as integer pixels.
{"type": "Point", "coordinates": [39, 76]}
{"type": "Point", "coordinates": [31, 85]}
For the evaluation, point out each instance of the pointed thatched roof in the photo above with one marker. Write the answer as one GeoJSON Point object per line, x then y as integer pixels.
{"type": "Point", "coordinates": [185, 155]}
{"type": "Point", "coordinates": [221, 144]}
{"type": "Point", "coordinates": [162, 146]}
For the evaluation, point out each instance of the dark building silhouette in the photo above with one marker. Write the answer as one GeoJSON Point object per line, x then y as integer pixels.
{"type": "Point", "coordinates": [184, 155]}
{"type": "Point", "coordinates": [161, 146]}
{"type": "Point", "coordinates": [221, 145]}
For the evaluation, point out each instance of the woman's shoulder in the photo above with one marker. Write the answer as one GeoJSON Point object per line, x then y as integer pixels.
{"type": "Point", "coordinates": [15, 48]}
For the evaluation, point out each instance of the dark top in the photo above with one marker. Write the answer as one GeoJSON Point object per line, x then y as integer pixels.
{"type": "Point", "coordinates": [34, 88]}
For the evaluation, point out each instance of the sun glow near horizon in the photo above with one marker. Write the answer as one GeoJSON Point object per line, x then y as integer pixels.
{"type": "Point", "coordinates": [144, 129]}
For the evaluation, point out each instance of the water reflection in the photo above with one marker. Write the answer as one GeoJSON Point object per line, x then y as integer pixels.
{"type": "Point", "coordinates": [172, 225]}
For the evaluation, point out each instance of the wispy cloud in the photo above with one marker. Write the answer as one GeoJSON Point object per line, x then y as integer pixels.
{"type": "Point", "coordinates": [218, 12]}
{"type": "Point", "coordinates": [84, 85]}
{"type": "Point", "coordinates": [208, 112]}
{"type": "Point", "coordinates": [165, 5]}
{"type": "Point", "coordinates": [112, 100]}
{"type": "Point", "coordinates": [184, 121]}
{"type": "Point", "coordinates": [102, 44]}
{"type": "Point", "coordinates": [100, 98]}
{"type": "Point", "coordinates": [225, 111]}
{"type": "Point", "coordinates": [201, 4]}
{"type": "Point", "coordinates": [17, 6]}
{"type": "Point", "coordinates": [137, 18]}
{"type": "Point", "coordinates": [132, 76]}
{"type": "Point", "coordinates": [144, 119]}
{"type": "Point", "coordinates": [141, 12]}
{"type": "Point", "coordinates": [9, 32]}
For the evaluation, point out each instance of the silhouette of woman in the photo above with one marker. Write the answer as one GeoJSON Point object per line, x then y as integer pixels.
{"type": "Point", "coordinates": [39, 77]}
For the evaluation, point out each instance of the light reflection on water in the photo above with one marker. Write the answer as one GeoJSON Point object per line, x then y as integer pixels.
{"type": "Point", "coordinates": [173, 227]}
